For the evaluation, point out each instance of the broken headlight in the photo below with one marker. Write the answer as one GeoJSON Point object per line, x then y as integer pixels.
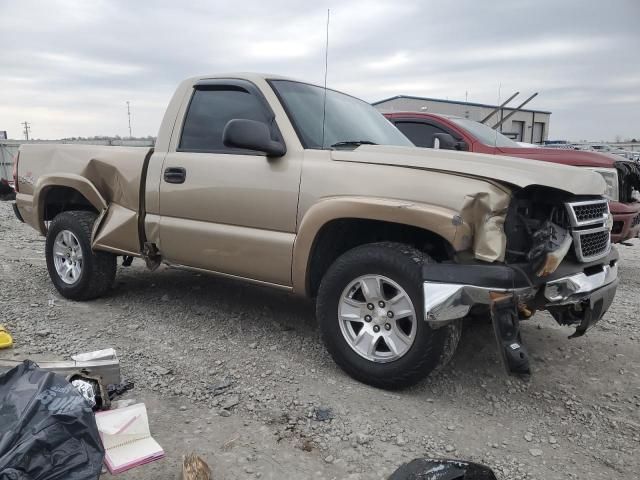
{"type": "Point", "coordinates": [610, 177]}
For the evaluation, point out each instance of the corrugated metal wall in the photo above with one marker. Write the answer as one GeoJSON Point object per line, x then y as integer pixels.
{"type": "Point", "coordinates": [8, 150]}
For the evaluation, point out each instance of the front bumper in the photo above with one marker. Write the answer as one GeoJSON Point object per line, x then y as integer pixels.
{"type": "Point", "coordinates": [447, 298]}
{"type": "Point", "coordinates": [626, 221]}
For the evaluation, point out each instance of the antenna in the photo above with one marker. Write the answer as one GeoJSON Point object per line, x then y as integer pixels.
{"type": "Point", "coordinates": [326, 65]}
{"type": "Point", "coordinates": [129, 115]}
{"type": "Point", "coordinates": [495, 139]}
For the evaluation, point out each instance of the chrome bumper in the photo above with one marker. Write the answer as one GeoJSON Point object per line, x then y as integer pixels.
{"type": "Point", "coordinates": [444, 302]}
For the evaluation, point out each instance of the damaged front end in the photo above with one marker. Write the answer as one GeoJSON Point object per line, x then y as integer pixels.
{"type": "Point", "coordinates": [558, 257]}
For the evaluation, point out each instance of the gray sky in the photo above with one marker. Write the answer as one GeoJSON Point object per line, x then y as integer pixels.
{"type": "Point", "coordinates": [68, 66]}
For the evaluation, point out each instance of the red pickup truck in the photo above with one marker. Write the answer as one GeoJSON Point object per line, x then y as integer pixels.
{"type": "Point", "coordinates": [457, 133]}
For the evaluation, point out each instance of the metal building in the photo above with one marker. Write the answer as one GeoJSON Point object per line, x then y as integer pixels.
{"type": "Point", "coordinates": [524, 125]}
{"type": "Point", "coordinates": [8, 151]}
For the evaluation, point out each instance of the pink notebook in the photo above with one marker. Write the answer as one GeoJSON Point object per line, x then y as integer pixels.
{"type": "Point", "coordinates": [126, 438]}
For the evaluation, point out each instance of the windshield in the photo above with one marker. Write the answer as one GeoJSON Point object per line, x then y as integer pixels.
{"type": "Point", "coordinates": [484, 134]}
{"type": "Point", "coordinates": [349, 121]}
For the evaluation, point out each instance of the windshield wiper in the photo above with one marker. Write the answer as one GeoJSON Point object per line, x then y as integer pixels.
{"type": "Point", "coordinates": [353, 143]}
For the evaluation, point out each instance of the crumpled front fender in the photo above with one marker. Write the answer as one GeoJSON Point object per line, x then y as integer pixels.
{"type": "Point", "coordinates": [486, 212]}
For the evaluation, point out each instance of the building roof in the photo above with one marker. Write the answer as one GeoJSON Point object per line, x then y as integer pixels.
{"type": "Point", "coordinates": [455, 102]}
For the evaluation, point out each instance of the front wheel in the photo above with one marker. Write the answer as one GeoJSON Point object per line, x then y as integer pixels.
{"type": "Point", "coordinates": [76, 271]}
{"type": "Point", "coordinates": [370, 312]}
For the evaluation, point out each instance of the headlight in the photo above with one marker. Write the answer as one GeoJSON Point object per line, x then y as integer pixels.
{"type": "Point", "coordinates": [610, 176]}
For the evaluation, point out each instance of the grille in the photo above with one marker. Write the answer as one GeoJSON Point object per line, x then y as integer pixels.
{"type": "Point", "coordinates": [636, 221]}
{"type": "Point", "coordinates": [593, 244]}
{"type": "Point", "coordinates": [590, 229]}
{"type": "Point", "coordinates": [591, 211]}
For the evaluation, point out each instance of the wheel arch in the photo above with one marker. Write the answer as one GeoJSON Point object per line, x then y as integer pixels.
{"type": "Point", "coordinates": [339, 218]}
{"type": "Point", "coordinates": [58, 193]}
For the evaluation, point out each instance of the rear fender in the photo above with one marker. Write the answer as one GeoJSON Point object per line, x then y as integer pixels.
{"type": "Point", "coordinates": [76, 182]}
{"type": "Point", "coordinates": [116, 229]}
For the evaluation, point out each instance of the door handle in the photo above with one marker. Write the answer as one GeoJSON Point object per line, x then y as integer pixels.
{"type": "Point", "coordinates": [175, 175]}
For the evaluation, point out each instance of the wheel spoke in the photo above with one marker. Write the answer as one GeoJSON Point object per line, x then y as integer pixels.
{"type": "Point", "coordinates": [396, 343]}
{"type": "Point", "coordinates": [66, 237]}
{"type": "Point", "coordinates": [59, 249]}
{"type": "Point", "coordinates": [371, 288]}
{"type": "Point", "coordinates": [350, 310]}
{"type": "Point", "coordinates": [68, 274]}
{"type": "Point", "coordinates": [401, 306]}
{"type": "Point", "coordinates": [372, 340]}
{"type": "Point", "coordinates": [353, 302]}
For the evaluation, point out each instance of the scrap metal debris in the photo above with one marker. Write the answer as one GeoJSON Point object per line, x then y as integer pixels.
{"type": "Point", "coordinates": [108, 370]}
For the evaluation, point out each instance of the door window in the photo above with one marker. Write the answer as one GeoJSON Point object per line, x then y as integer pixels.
{"type": "Point", "coordinates": [211, 108]}
{"type": "Point", "coordinates": [421, 134]}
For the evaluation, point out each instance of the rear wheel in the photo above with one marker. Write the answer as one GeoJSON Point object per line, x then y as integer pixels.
{"type": "Point", "coordinates": [76, 271]}
{"type": "Point", "coordinates": [370, 312]}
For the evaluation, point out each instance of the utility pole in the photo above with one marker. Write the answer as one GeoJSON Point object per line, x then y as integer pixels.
{"type": "Point", "coordinates": [27, 129]}
{"type": "Point", "coordinates": [129, 115]}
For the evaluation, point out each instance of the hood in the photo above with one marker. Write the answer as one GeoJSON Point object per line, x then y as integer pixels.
{"type": "Point", "coordinates": [578, 158]}
{"type": "Point", "coordinates": [510, 170]}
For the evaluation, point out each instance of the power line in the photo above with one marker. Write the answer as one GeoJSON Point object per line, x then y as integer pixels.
{"type": "Point", "coordinates": [27, 129]}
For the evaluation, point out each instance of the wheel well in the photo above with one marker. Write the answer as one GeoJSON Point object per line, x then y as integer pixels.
{"type": "Point", "coordinates": [338, 236]}
{"type": "Point", "coordinates": [62, 199]}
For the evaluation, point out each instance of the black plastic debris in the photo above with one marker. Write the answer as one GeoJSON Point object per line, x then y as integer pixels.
{"type": "Point", "coordinates": [47, 428]}
{"type": "Point", "coordinates": [220, 388]}
{"type": "Point", "coordinates": [321, 414]}
{"type": "Point", "coordinates": [436, 469]}
{"type": "Point", "coordinates": [116, 389]}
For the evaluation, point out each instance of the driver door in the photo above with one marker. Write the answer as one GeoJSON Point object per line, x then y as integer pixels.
{"type": "Point", "coordinates": [224, 209]}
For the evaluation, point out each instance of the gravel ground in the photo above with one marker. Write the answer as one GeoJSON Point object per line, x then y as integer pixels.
{"type": "Point", "coordinates": [237, 374]}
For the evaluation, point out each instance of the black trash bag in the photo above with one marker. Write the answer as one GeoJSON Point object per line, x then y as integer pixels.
{"type": "Point", "coordinates": [436, 469]}
{"type": "Point", "coordinates": [47, 428]}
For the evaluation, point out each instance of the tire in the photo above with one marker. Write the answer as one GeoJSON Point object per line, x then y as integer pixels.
{"type": "Point", "coordinates": [96, 270]}
{"type": "Point", "coordinates": [401, 265]}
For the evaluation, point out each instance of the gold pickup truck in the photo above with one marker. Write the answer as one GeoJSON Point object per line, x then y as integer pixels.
{"type": "Point", "coordinates": [287, 184]}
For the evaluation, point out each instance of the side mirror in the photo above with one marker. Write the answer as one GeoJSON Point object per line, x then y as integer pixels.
{"type": "Point", "coordinates": [462, 146]}
{"type": "Point", "coordinates": [444, 141]}
{"type": "Point", "coordinates": [251, 135]}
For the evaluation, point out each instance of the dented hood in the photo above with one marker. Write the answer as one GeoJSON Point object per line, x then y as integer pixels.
{"type": "Point", "coordinates": [510, 170]}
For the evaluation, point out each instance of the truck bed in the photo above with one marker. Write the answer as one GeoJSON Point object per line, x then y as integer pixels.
{"type": "Point", "coordinates": [114, 172]}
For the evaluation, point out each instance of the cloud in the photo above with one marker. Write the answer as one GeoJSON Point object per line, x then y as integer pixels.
{"type": "Point", "coordinates": [69, 66]}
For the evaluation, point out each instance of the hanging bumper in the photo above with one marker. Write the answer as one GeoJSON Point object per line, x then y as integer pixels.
{"type": "Point", "coordinates": [451, 290]}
